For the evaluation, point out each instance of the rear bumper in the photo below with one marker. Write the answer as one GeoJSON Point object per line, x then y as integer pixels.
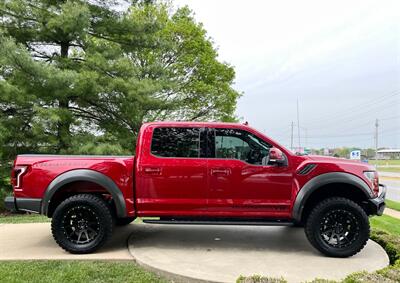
{"type": "Point", "coordinates": [377, 205]}
{"type": "Point", "coordinates": [23, 204]}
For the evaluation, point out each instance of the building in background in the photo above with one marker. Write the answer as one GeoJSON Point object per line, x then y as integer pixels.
{"type": "Point", "coordinates": [388, 154]}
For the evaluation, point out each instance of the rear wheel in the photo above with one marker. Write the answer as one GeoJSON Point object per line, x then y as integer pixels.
{"type": "Point", "coordinates": [338, 227]}
{"type": "Point", "coordinates": [82, 223]}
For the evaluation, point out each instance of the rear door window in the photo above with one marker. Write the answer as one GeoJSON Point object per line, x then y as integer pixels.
{"type": "Point", "coordinates": [176, 142]}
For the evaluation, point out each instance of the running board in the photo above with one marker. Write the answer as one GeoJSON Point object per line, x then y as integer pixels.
{"type": "Point", "coordinates": [252, 222]}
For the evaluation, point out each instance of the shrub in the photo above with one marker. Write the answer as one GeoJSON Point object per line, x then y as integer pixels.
{"type": "Point", "coordinates": [259, 279]}
{"type": "Point", "coordinates": [390, 242]}
{"type": "Point", "coordinates": [3, 193]}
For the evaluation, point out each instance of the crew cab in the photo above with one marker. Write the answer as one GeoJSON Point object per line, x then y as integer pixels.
{"type": "Point", "coordinates": [200, 173]}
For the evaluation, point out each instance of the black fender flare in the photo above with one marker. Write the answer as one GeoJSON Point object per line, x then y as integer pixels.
{"type": "Point", "coordinates": [85, 175]}
{"type": "Point", "coordinates": [325, 179]}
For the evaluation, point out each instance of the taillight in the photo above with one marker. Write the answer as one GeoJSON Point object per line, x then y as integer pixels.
{"type": "Point", "coordinates": [16, 175]}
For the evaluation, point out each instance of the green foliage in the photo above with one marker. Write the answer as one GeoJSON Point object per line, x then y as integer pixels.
{"type": "Point", "coordinates": [259, 279]}
{"type": "Point", "coordinates": [74, 271]}
{"type": "Point", "coordinates": [78, 67]}
{"type": "Point", "coordinates": [367, 277]}
{"type": "Point", "coordinates": [4, 192]}
{"type": "Point", "coordinates": [391, 272]}
{"type": "Point", "coordinates": [390, 242]}
{"type": "Point", "coordinates": [81, 77]}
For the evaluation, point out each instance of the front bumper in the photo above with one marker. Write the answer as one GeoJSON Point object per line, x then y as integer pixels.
{"type": "Point", "coordinates": [23, 204]}
{"type": "Point", "coordinates": [377, 205]}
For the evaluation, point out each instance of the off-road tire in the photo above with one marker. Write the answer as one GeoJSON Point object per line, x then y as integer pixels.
{"type": "Point", "coordinates": [92, 209]}
{"type": "Point", "coordinates": [338, 210]}
{"type": "Point", "coordinates": [124, 221]}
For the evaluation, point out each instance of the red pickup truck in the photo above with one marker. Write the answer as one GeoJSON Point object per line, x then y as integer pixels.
{"type": "Point", "coordinates": [200, 173]}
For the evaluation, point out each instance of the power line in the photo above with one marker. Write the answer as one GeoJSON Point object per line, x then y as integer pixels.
{"type": "Point", "coordinates": [354, 115]}
{"type": "Point", "coordinates": [372, 102]}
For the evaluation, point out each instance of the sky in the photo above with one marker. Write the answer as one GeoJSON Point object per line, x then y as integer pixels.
{"type": "Point", "coordinates": [339, 59]}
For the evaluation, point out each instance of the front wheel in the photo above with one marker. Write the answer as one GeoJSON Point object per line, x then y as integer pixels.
{"type": "Point", "coordinates": [82, 223]}
{"type": "Point", "coordinates": [338, 227]}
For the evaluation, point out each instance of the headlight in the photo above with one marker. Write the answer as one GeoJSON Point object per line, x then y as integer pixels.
{"type": "Point", "coordinates": [372, 176]}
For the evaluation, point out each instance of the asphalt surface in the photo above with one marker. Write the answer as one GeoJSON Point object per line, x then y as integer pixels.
{"type": "Point", "coordinates": [392, 181]}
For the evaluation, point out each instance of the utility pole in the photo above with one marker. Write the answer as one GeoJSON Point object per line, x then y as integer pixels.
{"type": "Point", "coordinates": [376, 138]}
{"type": "Point", "coordinates": [298, 123]}
{"type": "Point", "coordinates": [306, 138]}
{"type": "Point", "coordinates": [291, 136]}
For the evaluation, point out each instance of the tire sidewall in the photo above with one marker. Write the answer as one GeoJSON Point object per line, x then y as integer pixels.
{"type": "Point", "coordinates": [100, 211]}
{"type": "Point", "coordinates": [313, 225]}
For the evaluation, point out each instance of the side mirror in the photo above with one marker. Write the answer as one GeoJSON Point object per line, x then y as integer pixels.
{"type": "Point", "coordinates": [276, 156]}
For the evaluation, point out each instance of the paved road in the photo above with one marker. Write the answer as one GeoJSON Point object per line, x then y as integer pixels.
{"type": "Point", "coordinates": [392, 181]}
{"type": "Point", "coordinates": [393, 192]}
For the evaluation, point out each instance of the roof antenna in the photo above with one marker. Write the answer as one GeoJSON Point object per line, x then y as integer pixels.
{"type": "Point", "coordinates": [246, 123]}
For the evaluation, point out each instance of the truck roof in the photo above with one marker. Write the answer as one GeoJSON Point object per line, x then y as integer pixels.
{"type": "Point", "coordinates": [195, 123]}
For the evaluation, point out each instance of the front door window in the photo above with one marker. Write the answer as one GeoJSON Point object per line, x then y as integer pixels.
{"type": "Point", "coordinates": [241, 145]}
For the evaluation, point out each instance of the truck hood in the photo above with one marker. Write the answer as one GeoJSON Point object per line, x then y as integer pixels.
{"type": "Point", "coordinates": [336, 160]}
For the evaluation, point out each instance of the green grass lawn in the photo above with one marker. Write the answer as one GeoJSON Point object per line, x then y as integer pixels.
{"type": "Point", "coordinates": [385, 165]}
{"type": "Point", "coordinates": [74, 271]}
{"type": "Point", "coordinates": [386, 223]}
{"type": "Point", "coordinates": [393, 204]}
{"type": "Point", "coordinates": [22, 218]}
{"type": "Point", "coordinates": [384, 162]}
{"type": "Point", "coordinates": [389, 169]}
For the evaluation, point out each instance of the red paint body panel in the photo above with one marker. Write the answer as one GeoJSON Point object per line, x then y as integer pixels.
{"type": "Point", "coordinates": [43, 169]}
{"type": "Point", "coordinates": [158, 186]}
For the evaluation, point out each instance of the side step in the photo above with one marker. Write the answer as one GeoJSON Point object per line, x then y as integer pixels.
{"type": "Point", "coordinates": [223, 221]}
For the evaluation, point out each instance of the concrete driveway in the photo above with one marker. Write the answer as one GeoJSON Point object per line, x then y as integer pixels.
{"type": "Point", "coordinates": [200, 253]}
{"type": "Point", "coordinates": [34, 241]}
{"type": "Point", "coordinates": [223, 253]}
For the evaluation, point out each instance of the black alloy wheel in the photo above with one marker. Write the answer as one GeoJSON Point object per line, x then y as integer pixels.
{"type": "Point", "coordinates": [82, 223]}
{"type": "Point", "coordinates": [338, 227]}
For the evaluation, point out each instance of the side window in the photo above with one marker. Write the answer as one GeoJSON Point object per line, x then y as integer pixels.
{"type": "Point", "coordinates": [242, 145]}
{"type": "Point", "coordinates": [176, 142]}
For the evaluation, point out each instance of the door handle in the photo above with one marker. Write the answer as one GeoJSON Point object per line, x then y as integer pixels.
{"type": "Point", "coordinates": [152, 170]}
{"type": "Point", "coordinates": [220, 171]}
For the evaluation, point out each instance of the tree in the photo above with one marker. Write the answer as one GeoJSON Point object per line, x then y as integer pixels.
{"type": "Point", "coordinates": [82, 76]}
{"type": "Point", "coordinates": [78, 73]}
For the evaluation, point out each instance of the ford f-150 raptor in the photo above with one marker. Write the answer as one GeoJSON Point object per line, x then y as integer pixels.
{"type": "Point", "coordinates": [200, 173]}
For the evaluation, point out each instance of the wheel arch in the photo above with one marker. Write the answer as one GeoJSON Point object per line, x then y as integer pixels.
{"type": "Point", "coordinates": [345, 183]}
{"type": "Point", "coordinates": [84, 175]}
